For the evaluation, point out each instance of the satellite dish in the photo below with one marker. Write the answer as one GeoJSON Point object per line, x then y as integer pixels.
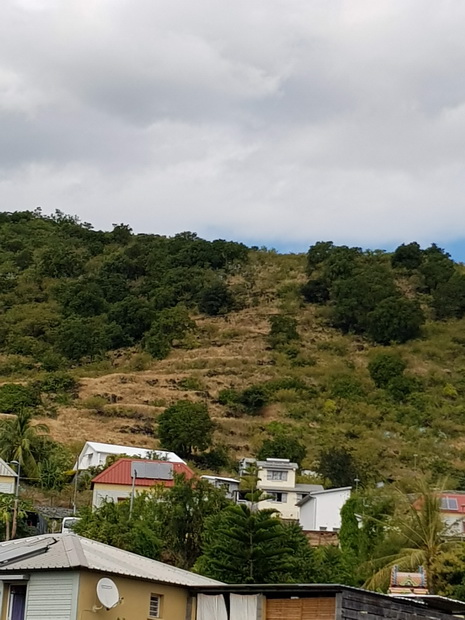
{"type": "Point", "coordinates": [107, 593]}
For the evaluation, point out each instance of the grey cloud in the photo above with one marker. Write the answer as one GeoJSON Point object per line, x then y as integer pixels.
{"type": "Point", "coordinates": [279, 120]}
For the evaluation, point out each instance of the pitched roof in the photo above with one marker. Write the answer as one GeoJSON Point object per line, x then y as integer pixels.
{"type": "Point", "coordinates": [320, 491]}
{"type": "Point", "coordinates": [65, 551]}
{"type": "Point", "coordinates": [6, 470]}
{"type": "Point", "coordinates": [120, 473]}
{"type": "Point", "coordinates": [108, 448]}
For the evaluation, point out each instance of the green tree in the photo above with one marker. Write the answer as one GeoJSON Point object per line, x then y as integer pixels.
{"type": "Point", "coordinates": [113, 524]}
{"type": "Point", "coordinates": [283, 330]}
{"type": "Point", "coordinates": [419, 532]}
{"type": "Point", "coordinates": [395, 319]}
{"type": "Point", "coordinates": [185, 428]}
{"type": "Point", "coordinates": [245, 546]}
{"type": "Point", "coordinates": [449, 298]}
{"type": "Point", "coordinates": [81, 337]}
{"type": "Point", "coordinates": [169, 325]}
{"type": "Point", "coordinates": [282, 446]}
{"type": "Point", "coordinates": [216, 299]}
{"type": "Point", "coordinates": [182, 512]}
{"type": "Point", "coordinates": [385, 367]}
{"type": "Point", "coordinates": [19, 439]}
{"type": "Point", "coordinates": [409, 256]}
{"type": "Point", "coordinates": [339, 467]}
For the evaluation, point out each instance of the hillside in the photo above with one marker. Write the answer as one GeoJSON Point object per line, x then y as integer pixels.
{"type": "Point", "coordinates": [316, 388]}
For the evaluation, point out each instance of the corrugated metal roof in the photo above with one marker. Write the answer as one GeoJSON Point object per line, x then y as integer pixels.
{"type": "Point", "coordinates": [73, 551]}
{"type": "Point", "coordinates": [6, 470]}
{"type": "Point", "coordinates": [120, 473]}
{"type": "Point", "coordinates": [108, 448]}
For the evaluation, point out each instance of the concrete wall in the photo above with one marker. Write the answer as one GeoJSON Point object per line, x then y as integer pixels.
{"type": "Point", "coordinates": [264, 483]}
{"type": "Point", "coordinates": [113, 492]}
{"type": "Point", "coordinates": [136, 599]}
{"type": "Point", "coordinates": [287, 510]}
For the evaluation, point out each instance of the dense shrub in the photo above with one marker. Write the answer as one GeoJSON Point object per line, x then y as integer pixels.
{"type": "Point", "coordinates": [283, 330]}
{"type": "Point", "coordinates": [216, 299]}
{"type": "Point", "coordinates": [283, 447]}
{"type": "Point", "coordinates": [408, 256]}
{"type": "Point", "coordinates": [14, 397]}
{"type": "Point", "coordinates": [385, 367]}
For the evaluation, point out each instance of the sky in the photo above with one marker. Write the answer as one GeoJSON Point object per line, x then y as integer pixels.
{"type": "Point", "coordinates": [273, 122]}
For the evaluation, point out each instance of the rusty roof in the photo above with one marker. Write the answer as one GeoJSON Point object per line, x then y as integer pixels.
{"type": "Point", "coordinates": [120, 473]}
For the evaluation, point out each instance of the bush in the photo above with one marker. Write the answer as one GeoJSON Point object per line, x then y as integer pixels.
{"type": "Point", "coordinates": [14, 397]}
{"type": "Point", "coordinates": [57, 382]}
{"type": "Point", "coordinates": [385, 367]}
{"type": "Point", "coordinates": [216, 299]}
{"type": "Point", "coordinates": [283, 330]}
{"type": "Point", "coordinates": [346, 387]}
{"type": "Point", "coordinates": [254, 398]}
{"type": "Point", "coordinates": [316, 291]}
{"type": "Point", "coordinates": [395, 319]}
{"type": "Point", "coordinates": [228, 397]}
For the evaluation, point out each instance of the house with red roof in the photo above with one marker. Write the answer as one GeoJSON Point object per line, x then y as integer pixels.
{"type": "Point", "coordinates": [117, 482]}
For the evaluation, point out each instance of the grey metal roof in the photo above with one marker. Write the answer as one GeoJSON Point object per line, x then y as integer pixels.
{"type": "Point", "coordinates": [6, 470]}
{"type": "Point", "coordinates": [277, 464]}
{"type": "Point", "coordinates": [67, 551]}
{"type": "Point", "coordinates": [309, 488]}
{"type": "Point", "coordinates": [320, 491]}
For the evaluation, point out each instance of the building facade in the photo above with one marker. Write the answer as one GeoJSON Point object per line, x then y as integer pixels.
{"type": "Point", "coordinates": [95, 454]}
{"type": "Point", "coordinates": [277, 480]}
{"type": "Point", "coordinates": [321, 510]}
{"type": "Point", "coordinates": [55, 577]}
{"type": "Point", "coordinates": [117, 482]}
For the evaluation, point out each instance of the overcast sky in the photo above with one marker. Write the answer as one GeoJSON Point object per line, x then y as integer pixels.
{"type": "Point", "coordinates": [276, 122]}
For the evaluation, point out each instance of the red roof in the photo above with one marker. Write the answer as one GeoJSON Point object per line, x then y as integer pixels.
{"type": "Point", "coordinates": [120, 473]}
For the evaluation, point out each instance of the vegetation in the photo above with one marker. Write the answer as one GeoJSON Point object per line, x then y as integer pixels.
{"type": "Point", "coordinates": [185, 428]}
{"type": "Point", "coordinates": [350, 362]}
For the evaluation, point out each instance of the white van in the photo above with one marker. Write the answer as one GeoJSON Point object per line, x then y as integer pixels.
{"type": "Point", "coordinates": [67, 525]}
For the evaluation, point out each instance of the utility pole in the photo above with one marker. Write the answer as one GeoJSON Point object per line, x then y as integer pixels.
{"type": "Point", "coordinates": [131, 503]}
{"type": "Point", "coordinates": [14, 526]}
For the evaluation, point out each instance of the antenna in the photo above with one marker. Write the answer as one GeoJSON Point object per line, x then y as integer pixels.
{"type": "Point", "coordinates": [107, 593]}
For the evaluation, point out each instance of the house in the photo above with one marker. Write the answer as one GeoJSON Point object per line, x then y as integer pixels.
{"type": "Point", "coordinates": [116, 483]}
{"type": "Point", "coordinates": [94, 454]}
{"type": "Point", "coordinates": [8, 478]}
{"type": "Point", "coordinates": [452, 506]}
{"type": "Point", "coordinates": [320, 510]}
{"type": "Point", "coordinates": [405, 583]}
{"type": "Point", "coordinates": [56, 576]}
{"type": "Point", "coordinates": [317, 602]}
{"type": "Point", "coordinates": [229, 485]}
{"type": "Point", "coordinates": [276, 478]}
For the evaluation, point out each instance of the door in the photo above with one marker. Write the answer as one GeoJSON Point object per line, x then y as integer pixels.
{"type": "Point", "coordinates": [17, 602]}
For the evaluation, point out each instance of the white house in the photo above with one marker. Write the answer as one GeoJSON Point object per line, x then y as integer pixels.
{"type": "Point", "coordinates": [276, 478]}
{"type": "Point", "coordinates": [94, 454]}
{"type": "Point", "coordinates": [8, 478]}
{"type": "Point", "coordinates": [320, 510]}
{"type": "Point", "coordinates": [230, 485]}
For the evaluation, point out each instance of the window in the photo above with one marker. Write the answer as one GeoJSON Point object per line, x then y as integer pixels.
{"type": "Point", "coordinates": [273, 474]}
{"type": "Point", "coordinates": [275, 496]}
{"type": "Point", "coordinates": [449, 503]}
{"type": "Point", "coordinates": [155, 606]}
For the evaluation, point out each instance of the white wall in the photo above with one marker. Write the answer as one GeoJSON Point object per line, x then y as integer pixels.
{"type": "Point", "coordinates": [287, 510]}
{"type": "Point", "coordinates": [52, 595]}
{"type": "Point", "coordinates": [323, 510]}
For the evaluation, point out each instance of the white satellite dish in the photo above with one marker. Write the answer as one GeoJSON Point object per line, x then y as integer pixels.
{"type": "Point", "coordinates": [107, 593]}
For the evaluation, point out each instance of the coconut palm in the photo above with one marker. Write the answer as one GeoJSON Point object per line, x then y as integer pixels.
{"type": "Point", "coordinates": [420, 531]}
{"type": "Point", "coordinates": [19, 438]}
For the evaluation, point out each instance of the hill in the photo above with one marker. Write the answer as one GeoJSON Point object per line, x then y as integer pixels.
{"type": "Point", "coordinates": [358, 356]}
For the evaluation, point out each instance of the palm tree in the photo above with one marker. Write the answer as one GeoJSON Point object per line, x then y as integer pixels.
{"type": "Point", "coordinates": [19, 438]}
{"type": "Point", "coordinates": [421, 532]}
